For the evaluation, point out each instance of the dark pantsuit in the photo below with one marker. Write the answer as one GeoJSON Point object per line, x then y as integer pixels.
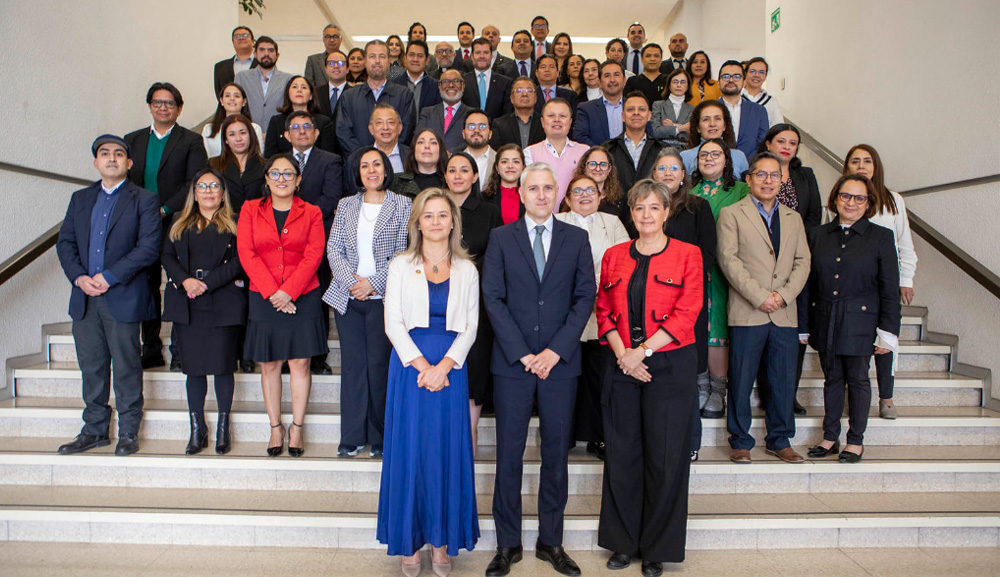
{"type": "Point", "coordinates": [844, 374]}
{"type": "Point", "coordinates": [695, 426]}
{"type": "Point", "coordinates": [364, 372]}
{"type": "Point", "coordinates": [587, 424]}
{"type": "Point", "coordinates": [644, 503]}
{"type": "Point", "coordinates": [748, 346]}
{"type": "Point", "coordinates": [884, 376]}
{"type": "Point", "coordinates": [513, 399]}
{"type": "Point", "coordinates": [102, 343]}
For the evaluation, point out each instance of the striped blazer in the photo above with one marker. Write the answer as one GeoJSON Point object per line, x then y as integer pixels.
{"type": "Point", "coordinates": [342, 246]}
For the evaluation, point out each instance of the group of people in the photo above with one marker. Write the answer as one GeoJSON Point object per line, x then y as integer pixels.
{"type": "Point", "coordinates": [621, 249]}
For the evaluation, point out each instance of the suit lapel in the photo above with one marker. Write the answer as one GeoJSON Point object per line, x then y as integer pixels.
{"type": "Point", "coordinates": [756, 221]}
{"type": "Point", "coordinates": [602, 114]}
{"type": "Point", "coordinates": [172, 138]}
{"type": "Point", "coordinates": [558, 230]}
{"type": "Point", "coordinates": [521, 238]}
{"type": "Point", "coordinates": [139, 159]}
{"type": "Point", "coordinates": [83, 215]}
{"type": "Point", "coordinates": [124, 201]}
{"type": "Point", "coordinates": [384, 214]}
{"type": "Point", "coordinates": [784, 235]}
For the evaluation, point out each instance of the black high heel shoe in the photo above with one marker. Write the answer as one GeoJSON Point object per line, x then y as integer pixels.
{"type": "Point", "coordinates": [819, 451]}
{"type": "Point", "coordinates": [223, 435]}
{"type": "Point", "coordinates": [275, 451]}
{"type": "Point", "coordinates": [294, 451]}
{"type": "Point", "coordinates": [199, 434]}
{"type": "Point", "coordinates": [849, 457]}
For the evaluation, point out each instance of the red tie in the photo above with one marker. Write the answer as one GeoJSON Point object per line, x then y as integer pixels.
{"type": "Point", "coordinates": [466, 53]}
{"type": "Point", "coordinates": [539, 50]}
{"type": "Point", "coordinates": [548, 94]}
{"type": "Point", "coordinates": [449, 114]}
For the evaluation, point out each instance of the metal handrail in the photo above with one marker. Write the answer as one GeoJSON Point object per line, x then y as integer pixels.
{"type": "Point", "coordinates": [963, 260]}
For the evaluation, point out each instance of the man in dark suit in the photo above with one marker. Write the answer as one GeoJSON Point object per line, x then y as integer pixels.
{"type": "Point", "coordinates": [109, 239]}
{"type": "Point", "coordinates": [448, 116]}
{"type": "Point", "coordinates": [322, 180]}
{"type": "Point", "coordinates": [384, 127]}
{"type": "Point", "coordinates": [678, 48]}
{"type": "Point", "coordinates": [165, 157]}
{"type": "Point", "coordinates": [316, 63]}
{"type": "Point", "coordinates": [488, 90]}
{"type": "Point", "coordinates": [520, 45]}
{"type": "Point", "coordinates": [538, 289]}
{"type": "Point", "coordinates": [634, 151]}
{"type": "Point", "coordinates": [424, 88]}
{"type": "Point", "coordinates": [522, 127]}
{"type": "Point", "coordinates": [547, 74]}
{"type": "Point", "coordinates": [226, 69]}
{"type": "Point", "coordinates": [466, 34]}
{"type": "Point", "coordinates": [749, 118]}
{"type": "Point", "coordinates": [356, 105]}
{"type": "Point", "coordinates": [330, 91]}
{"type": "Point", "coordinates": [600, 120]}
{"type": "Point", "coordinates": [498, 62]}
{"type": "Point", "coordinates": [636, 39]}
{"type": "Point", "coordinates": [444, 55]}
{"type": "Point", "coordinates": [539, 30]}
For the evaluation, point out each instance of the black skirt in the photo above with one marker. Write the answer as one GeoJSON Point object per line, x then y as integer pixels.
{"type": "Point", "coordinates": [208, 350]}
{"type": "Point", "coordinates": [277, 336]}
{"type": "Point", "coordinates": [478, 362]}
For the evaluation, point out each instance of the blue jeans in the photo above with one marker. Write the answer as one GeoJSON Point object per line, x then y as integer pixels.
{"type": "Point", "coordinates": [777, 347]}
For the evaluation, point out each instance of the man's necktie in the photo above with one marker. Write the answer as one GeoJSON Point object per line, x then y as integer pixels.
{"type": "Point", "coordinates": [539, 50]}
{"type": "Point", "coordinates": [466, 57]}
{"type": "Point", "coordinates": [635, 61]}
{"type": "Point", "coordinates": [301, 157]}
{"type": "Point", "coordinates": [524, 69]}
{"type": "Point", "coordinates": [539, 250]}
{"type": "Point", "coordinates": [482, 90]}
{"type": "Point", "coordinates": [449, 115]}
{"type": "Point", "coordinates": [333, 98]}
{"type": "Point", "coordinates": [548, 94]}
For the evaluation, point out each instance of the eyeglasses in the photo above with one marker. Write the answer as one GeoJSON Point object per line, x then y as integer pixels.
{"type": "Point", "coordinates": [589, 191]}
{"type": "Point", "coordinates": [168, 104]}
{"type": "Point", "coordinates": [593, 164]}
{"type": "Point", "coordinates": [304, 127]}
{"type": "Point", "coordinates": [474, 125]}
{"type": "Point", "coordinates": [336, 63]}
{"type": "Point", "coordinates": [444, 51]}
{"type": "Point", "coordinates": [241, 36]}
{"type": "Point", "coordinates": [736, 77]}
{"type": "Point", "coordinates": [277, 175]}
{"type": "Point", "coordinates": [385, 122]}
{"type": "Point", "coordinates": [539, 26]}
{"type": "Point", "coordinates": [757, 73]}
{"type": "Point", "coordinates": [524, 91]}
{"type": "Point", "coordinates": [667, 168]}
{"type": "Point", "coordinates": [679, 81]}
{"type": "Point", "coordinates": [205, 187]}
{"type": "Point", "coordinates": [846, 198]}
{"type": "Point", "coordinates": [761, 175]}
{"type": "Point", "coordinates": [331, 37]}
{"type": "Point", "coordinates": [713, 154]}
{"type": "Point", "coordinates": [447, 83]}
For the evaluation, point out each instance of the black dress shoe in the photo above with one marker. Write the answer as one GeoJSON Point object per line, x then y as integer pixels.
{"type": "Point", "coordinates": [320, 367]}
{"type": "Point", "coordinates": [505, 557]}
{"type": "Point", "coordinates": [284, 368]}
{"type": "Point", "coordinates": [247, 366]}
{"type": "Point", "coordinates": [652, 569]}
{"type": "Point", "coordinates": [83, 443]}
{"type": "Point", "coordinates": [558, 558]}
{"type": "Point", "coordinates": [797, 407]}
{"type": "Point", "coordinates": [127, 445]}
{"type": "Point", "coordinates": [223, 435]}
{"type": "Point", "coordinates": [152, 359]}
{"type": "Point", "coordinates": [199, 434]}
{"type": "Point", "coordinates": [819, 451]}
{"type": "Point", "coordinates": [619, 561]}
{"type": "Point", "coordinates": [597, 449]}
{"type": "Point", "coordinates": [175, 364]}
{"type": "Point", "coordinates": [848, 457]}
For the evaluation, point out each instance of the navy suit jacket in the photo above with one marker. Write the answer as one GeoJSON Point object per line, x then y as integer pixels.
{"type": "Point", "coordinates": [322, 183]}
{"type": "Point", "coordinates": [530, 314]}
{"type": "Point", "coordinates": [355, 109]}
{"type": "Point", "coordinates": [753, 127]}
{"type": "Point", "coordinates": [590, 125]}
{"type": "Point", "coordinates": [132, 245]}
{"type": "Point", "coordinates": [430, 94]}
{"type": "Point", "coordinates": [183, 156]}
{"type": "Point", "coordinates": [561, 92]}
{"type": "Point", "coordinates": [497, 94]}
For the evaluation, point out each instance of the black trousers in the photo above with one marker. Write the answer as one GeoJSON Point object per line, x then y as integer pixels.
{"type": "Point", "coordinates": [103, 344]}
{"type": "Point", "coordinates": [846, 375]}
{"type": "Point", "coordinates": [513, 399]}
{"type": "Point", "coordinates": [587, 423]}
{"type": "Point", "coordinates": [325, 276]}
{"type": "Point", "coordinates": [884, 376]}
{"type": "Point", "coordinates": [644, 503]}
{"type": "Point", "coordinates": [364, 372]}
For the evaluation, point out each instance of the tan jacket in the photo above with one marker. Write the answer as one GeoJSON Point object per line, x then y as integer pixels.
{"type": "Point", "coordinates": [747, 259]}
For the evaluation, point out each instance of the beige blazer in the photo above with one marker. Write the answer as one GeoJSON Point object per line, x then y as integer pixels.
{"type": "Point", "coordinates": [605, 232]}
{"type": "Point", "coordinates": [407, 306]}
{"type": "Point", "coordinates": [747, 259]}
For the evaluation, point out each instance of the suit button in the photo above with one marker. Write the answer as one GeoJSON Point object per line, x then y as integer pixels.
{"type": "Point", "coordinates": [775, 276]}
{"type": "Point", "coordinates": [536, 328]}
{"type": "Point", "coordinates": [846, 232]}
{"type": "Point", "coordinates": [864, 308]}
{"type": "Point", "coordinates": [541, 303]}
{"type": "Point", "coordinates": [838, 259]}
{"type": "Point", "coordinates": [283, 266]}
{"type": "Point", "coordinates": [284, 231]}
{"type": "Point", "coordinates": [279, 248]}
{"type": "Point", "coordinates": [835, 293]}
{"type": "Point", "coordinates": [771, 252]}
{"type": "Point", "coordinates": [843, 246]}
{"type": "Point", "coordinates": [814, 303]}
{"type": "Point", "coordinates": [836, 276]}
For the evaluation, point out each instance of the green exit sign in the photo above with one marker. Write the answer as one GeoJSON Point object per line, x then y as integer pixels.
{"type": "Point", "coordinates": [775, 19]}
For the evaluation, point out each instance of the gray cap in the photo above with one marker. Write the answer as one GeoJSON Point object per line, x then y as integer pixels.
{"type": "Point", "coordinates": [110, 139]}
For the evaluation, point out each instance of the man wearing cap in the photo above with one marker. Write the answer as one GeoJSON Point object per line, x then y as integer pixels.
{"type": "Point", "coordinates": [109, 239]}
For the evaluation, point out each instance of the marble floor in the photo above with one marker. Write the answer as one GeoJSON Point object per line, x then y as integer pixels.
{"type": "Point", "coordinates": [78, 560]}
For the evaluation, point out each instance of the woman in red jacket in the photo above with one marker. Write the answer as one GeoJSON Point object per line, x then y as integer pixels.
{"type": "Point", "coordinates": [280, 241]}
{"type": "Point", "coordinates": [649, 299]}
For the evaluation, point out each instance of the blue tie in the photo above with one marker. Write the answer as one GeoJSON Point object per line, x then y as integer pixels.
{"type": "Point", "coordinates": [333, 98]}
{"type": "Point", "coordinates": [482, 90]}
{"type": "Point", "coordinates": [635, 61]}
{"type": "Point", "coordinates": [524, 69]}
{"type": "Point", "coordinates": [539, 250]}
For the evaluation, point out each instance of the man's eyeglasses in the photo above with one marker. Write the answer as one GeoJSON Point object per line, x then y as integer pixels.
{"type": "Point", "coordinates": [168, 104]}
{"type": "Point", "coordinates": [761, 175]}
{"type": "Point", "coordinates": [304, 127]}
{"type": "Point", "coordinates": [474, 125]}
{"type": "Point", "coordinates": [331, 37]}
{"type": "Point", "coordinates": [336, 63]}
{"type": "Point", "coordinates": [736, 77]}
{"type": "Point", "coordinates": [241, 36]}
{"type": "Point", "coordinates": [447, 83]}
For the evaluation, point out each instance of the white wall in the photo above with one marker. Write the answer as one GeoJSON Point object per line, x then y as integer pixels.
{"type": "Point", "coordinates": [74, 70]}
{"type": "Point", "coordinates": [917, 80]}
{"type": "Point", "coordinates": [724, 29]}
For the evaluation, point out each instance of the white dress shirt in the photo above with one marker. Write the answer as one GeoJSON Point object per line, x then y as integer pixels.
{"type": "Point", "coordinates": [734, 113]}
{"type": "Point", "coordinates": [546, 234]}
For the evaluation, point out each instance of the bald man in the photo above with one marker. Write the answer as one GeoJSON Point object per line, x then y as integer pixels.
{"type": "Point", "coordinates": [678, 49]}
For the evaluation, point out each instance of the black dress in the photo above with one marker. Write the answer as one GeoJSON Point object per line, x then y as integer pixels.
{"type": "Point", "coordinates": [479, 218]}
{"type": "Point", "coordinates": [411, 184]}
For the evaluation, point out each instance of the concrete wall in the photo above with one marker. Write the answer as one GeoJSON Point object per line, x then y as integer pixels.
{"type": "Point", "coordinates": [724, 29]}
{"type": "Point", "coordinates": [74, 70]}
{"type": "Point", "coordinates": [914, 78]}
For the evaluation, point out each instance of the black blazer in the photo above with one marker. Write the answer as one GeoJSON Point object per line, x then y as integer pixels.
{"type": "Point", "coordinates": [502, 64]}
{"type": "Point", "coordinates": [506, 131]}
{"type": "Point", "coordinates": [561, 92]}
{"type": "Point", "coordinates": [322, 183]}
{"type": "Point", "coordinates": [183, 156]}
{"type": "Point", "coordinates": [274, 137]}
{"type": "Point", "coordinates": [479, 218]}
{"type": "Point", "coordinates": [497, 94]}
{"type": "Point", "coordinates": [246, 186]}
{"type": "Point", "coordinates": [853, 287]}
{"type": "Point", "coordinates": [696, 225]}
{"type": "Point", "coordinates": [430, 93]}
{"type": "Point", "coordinates": [627, 173]}
{"type": "Point", "coordinates": [530, 314]}
{"type": "Point", "coordinates": [807, 191]}
{"type": "Point", "coordinates": [133, 244]}
{"type": "Point", "coordinates": [224, 74]}
{"type": "Point", "coordinates": [228, 301]}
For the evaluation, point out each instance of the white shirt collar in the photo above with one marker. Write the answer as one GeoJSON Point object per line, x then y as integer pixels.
{"type": "Point", "coordinates": [532, 224]}
{"type": "Point", "coordinates": [152, 128]}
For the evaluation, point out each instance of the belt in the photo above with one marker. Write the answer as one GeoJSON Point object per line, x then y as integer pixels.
{"type": "Point", "coordinates": [201, 273]}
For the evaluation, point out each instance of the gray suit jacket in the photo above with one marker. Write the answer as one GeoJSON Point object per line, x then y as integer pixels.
{"type": "Point", "coordinates": [316, 69]}
{"type": "Point", "coordinates": [664, 110]}
{"type": "Point", "coordinates": [433, 117]}
{"type": "Point", "coordinates": [261, 108]}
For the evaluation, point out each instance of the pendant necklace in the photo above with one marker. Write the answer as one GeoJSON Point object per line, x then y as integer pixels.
{"type": "Point", "coordinates": [434, 266]}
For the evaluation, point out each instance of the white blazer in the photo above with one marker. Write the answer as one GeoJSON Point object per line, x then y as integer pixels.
{"type": "Point", "coordinates": [407, 306]}
{"type": "Point", "coordinates": [605, 232]}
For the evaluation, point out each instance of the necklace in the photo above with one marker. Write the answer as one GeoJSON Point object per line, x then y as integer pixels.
{"type": "Point", "coordinates": [434, 265]}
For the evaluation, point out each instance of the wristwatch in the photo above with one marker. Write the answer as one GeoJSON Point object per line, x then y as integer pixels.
{"type": "Point", "coordinates": [646, 350]}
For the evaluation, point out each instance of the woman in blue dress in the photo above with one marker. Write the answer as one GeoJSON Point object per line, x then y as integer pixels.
{"type": "Point", "coordinates": [428, 492]}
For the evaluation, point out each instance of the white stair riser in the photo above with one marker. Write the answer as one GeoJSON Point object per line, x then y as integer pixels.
{"type": "Point", "coordinates": [63, 352]}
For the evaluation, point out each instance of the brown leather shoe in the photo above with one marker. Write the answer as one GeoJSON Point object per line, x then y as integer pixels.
{"type": "Point", "coordinates": [787, 455]}
{"type": "Point", "coordinates": [741, 456]}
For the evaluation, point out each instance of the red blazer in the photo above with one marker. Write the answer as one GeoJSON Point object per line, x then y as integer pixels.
{"type": "Point", "coordinates": [673, 293]}
{"type": "Point", "coordinates": [288, 262]}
